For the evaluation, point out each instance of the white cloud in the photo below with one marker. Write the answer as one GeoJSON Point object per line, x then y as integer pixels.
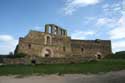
{"type": "Point", "coordinates": [117, 35]}
{"type": "Point", "coordinates": [117, 24]}
{"type": "Point", "coordinates": [105, 21]}
{"type": "Point", "coordinates": [112, 9]}
{"type": "Point", "coordinates": [72, 5]}
{"type": "Point", "coordinates": [118, 32]}
{"type": "Point", "coordinates": [81, 34]}
{"type": "Point", "coordinates": [7, 44]}
{"type": "Point", "coordinates": [6, 38]}
{"type": "Point", "coordinates": [118, 45]}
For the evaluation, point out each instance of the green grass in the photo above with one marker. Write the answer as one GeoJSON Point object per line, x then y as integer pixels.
{"type": "Point", "coordinates": [87, 67]}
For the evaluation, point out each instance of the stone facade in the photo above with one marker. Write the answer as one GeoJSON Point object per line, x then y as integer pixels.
{"type": "Point", "coordinates": [55, 42]}
{"type": "Point", "coordinates": [49, 60]}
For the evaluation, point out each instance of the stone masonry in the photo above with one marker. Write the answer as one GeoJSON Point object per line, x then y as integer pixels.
{"type": "Point", "coordinates": [55, 43]}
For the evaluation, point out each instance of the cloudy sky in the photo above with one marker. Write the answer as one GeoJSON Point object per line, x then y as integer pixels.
{"type": "Point", "coordinates": [84, 19]}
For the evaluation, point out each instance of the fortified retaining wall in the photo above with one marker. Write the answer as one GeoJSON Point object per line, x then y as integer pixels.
{"type": "Point", "coordinates": [45, 60]}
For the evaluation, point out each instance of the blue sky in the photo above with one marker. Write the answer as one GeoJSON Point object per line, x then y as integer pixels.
{"type": "Point", "coordinates": [84, 19]}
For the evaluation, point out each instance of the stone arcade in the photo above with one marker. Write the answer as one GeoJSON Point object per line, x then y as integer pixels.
{"type": "Point", "coordinates": [55, 42]}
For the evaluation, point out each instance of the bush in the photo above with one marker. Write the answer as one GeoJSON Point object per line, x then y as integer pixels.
{"type": "Point", "coordinates": [117, 55]}
{"type": "Point", "coordinates": [19, 55]}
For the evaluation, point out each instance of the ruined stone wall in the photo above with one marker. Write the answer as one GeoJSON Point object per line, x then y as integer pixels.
{"type": "Point", "coordinates": [54, 42]}
{"type": "Point", "coordinates": [62, 45]}
{"type": "Point", "coordinates": [34, 44]}
{"type": "Point", "coordinates": [55, 60]}
{"type": "Point", "coordinates": [87, 48]}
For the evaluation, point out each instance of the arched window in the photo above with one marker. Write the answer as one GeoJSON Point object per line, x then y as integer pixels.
{"type": "Point", "coordinates": [99, 56]}
{"type": "Point", "coordinates": [64, 49]}
{"type": "Point", "coordinates": [48, 40]}
{"type": "Point", "coordinates": [82, 49]}
{"type": "Point", "coordinates": [47, 53]}
{"type": "Point", "coordinates": [29, 46]}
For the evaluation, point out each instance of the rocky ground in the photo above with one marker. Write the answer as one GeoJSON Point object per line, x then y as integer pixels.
{"type": "Point", "coordinates": [110, 77]}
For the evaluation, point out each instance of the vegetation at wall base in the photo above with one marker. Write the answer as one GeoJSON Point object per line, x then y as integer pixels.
{"type": "Point", "coordinates": [117, 55]}
{"type": "Point", "coordinates": [114, 62]}
{"type": "Point", "coordinates": [105, 65]}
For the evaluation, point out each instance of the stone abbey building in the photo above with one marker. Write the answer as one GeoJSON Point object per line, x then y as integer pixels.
{"type": "Point", "coordinates": [55, 42]}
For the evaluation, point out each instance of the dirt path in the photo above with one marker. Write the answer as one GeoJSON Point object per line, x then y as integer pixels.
{"type": "Point", "coordinates": [111, 77]}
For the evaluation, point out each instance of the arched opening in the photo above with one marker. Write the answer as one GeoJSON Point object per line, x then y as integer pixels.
{"type": "Point", "coordinates": [47, 53]}
{"type": "Point", "coordinates": [64, 49]}
{"type": "Point", "coordinates": [29, 46]}
{"type": "Point", "coordinates": [82, 49]}
{"type": "Point", "coordinates": [33, 61]}
{"type": "Point", "coordinates": [99, 56]}
{"type": "Point", "coordinates": [48, 40]}
{"type": "Point", "coordinates": [49, 29]}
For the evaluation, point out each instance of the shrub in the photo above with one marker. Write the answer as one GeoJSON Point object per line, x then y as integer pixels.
{"type": "Point", "coordinates": [117, 55]}
{"type": "Point", "coordinates": [19, 55]}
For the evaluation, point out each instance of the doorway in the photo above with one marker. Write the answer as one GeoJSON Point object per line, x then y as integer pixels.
{"type": "Point", "coordinates": [47, 53]}
{"type": "Point", "coordinates": [99, 56]}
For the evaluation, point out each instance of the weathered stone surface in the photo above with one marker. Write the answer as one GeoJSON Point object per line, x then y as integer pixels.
{"type": "Point", "coordinates": [55, 43]}
{"type": "Point", "coordinates": [68, 60]}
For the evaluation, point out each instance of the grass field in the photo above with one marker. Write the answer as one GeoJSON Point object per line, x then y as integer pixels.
{"type": "Point", "coordinates": [87, 67]}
